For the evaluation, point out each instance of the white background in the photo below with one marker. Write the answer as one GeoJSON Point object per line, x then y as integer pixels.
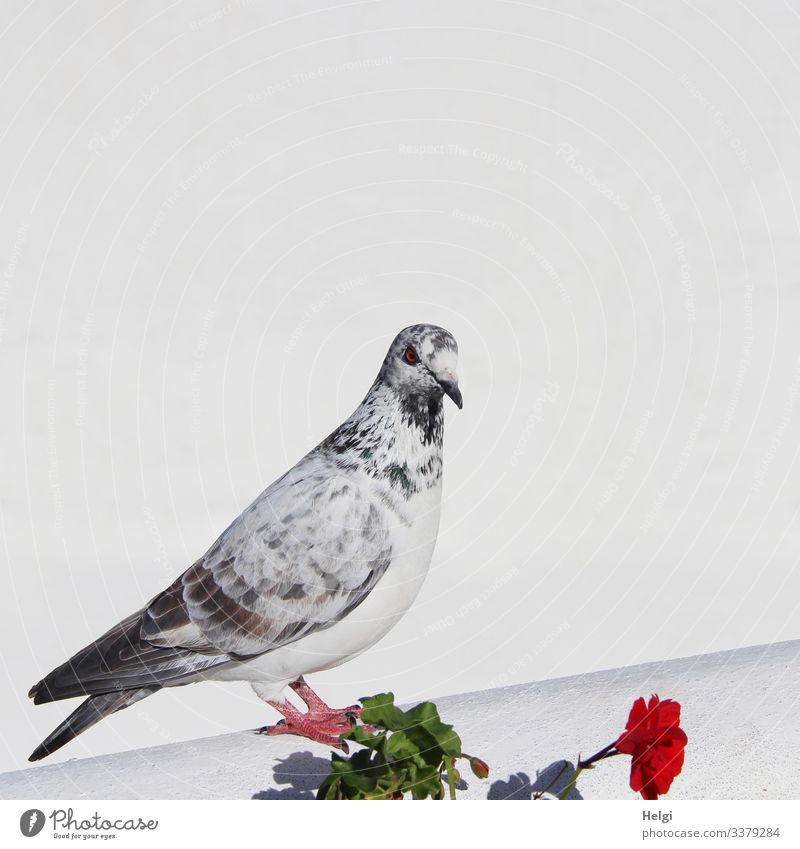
{"type": "Point", "coordinates": [214, 219]}
{"type": "Point", "coordinates": [196, 821]}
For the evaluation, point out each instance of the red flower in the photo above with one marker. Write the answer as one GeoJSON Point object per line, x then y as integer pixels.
{"type": "Point", "coordinates": [655, 739]}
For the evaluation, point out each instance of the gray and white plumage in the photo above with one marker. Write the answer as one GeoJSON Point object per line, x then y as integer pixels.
{"type": "Point", "coordinates": [316, 570]}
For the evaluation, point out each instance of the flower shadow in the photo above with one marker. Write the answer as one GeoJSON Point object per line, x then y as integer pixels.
{"type": "Point", "coordinates": [553, 779]}
{"type": "Point", "coordinates": [302, 772]}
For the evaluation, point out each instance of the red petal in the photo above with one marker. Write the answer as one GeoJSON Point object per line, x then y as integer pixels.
{"type": "Point", "coordinates": [637, 715]}
{"type": "Point", "coordinates": [656, 742]}
{"type": "Point", "coordinates": [653, 769]}
{"type": "Point", "coordinates": [669, 713]}
{"type": "Point", "coordinates": [636, 729]}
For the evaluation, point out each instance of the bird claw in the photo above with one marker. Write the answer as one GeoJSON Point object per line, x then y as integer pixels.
{"type": "Point", "coordinates": [354, 717]}
{"type": "Point", "coordinates": [327, 735]}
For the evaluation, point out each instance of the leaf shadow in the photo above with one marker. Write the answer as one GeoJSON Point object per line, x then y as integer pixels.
{"type": "Point", "coordinates": [553, 778]}
{"type": "Point", "coordinates": [302, 772]}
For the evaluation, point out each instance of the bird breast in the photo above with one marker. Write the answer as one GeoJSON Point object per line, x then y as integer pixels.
{"type": "Point", "coordinates": [412, 543]}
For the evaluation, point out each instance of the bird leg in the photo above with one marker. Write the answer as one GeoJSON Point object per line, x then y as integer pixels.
{"type": "Point", "coordinates": [320, 722]}
{"type": "Point", "coordinates": [319, 709]}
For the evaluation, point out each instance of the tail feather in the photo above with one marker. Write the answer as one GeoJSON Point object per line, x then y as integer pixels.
{"type": "Point", "coordinates": [120, 661]}
{"type": "Point", "coordinates": [86, 715]}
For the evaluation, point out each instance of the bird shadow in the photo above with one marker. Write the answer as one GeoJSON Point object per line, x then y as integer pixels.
{"type": "Point", "coordinates": [552, 779]}
{"type": "Point", "coordinates": [302, 772]}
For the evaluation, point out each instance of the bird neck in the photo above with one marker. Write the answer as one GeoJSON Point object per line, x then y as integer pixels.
{"type": "Point", "coordinates": [395, 439]}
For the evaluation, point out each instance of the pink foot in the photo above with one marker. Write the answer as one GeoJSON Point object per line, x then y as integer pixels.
{"type": "Point", "coordinates": [327, 732]}
{"type": "Point", "coordinates": [320, 723]}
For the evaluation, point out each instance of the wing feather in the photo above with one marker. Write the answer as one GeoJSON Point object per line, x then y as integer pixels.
{"type": "Point", "coordinates": [304, 554]}
{"type": "Point", "coordinates": [291, 564]}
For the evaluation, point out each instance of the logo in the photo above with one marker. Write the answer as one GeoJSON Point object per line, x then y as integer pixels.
{"type": "Point", "coordinates": [65, 824]}
{"type": "Point", "coordinates": [31, 822]}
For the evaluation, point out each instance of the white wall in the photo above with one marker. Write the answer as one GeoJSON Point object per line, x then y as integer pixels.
{"type": "Point", "coordinates": [738, 710]}
{"type": "Point", "coordinates": [215, 217]}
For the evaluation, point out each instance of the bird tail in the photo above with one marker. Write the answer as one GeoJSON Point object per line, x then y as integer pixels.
{"type": "Point", "coordinates": [86, 715]}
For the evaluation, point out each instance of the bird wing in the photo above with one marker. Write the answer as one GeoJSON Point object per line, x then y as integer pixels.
{"type": "Point", "coordinates": [304, 554]}
{"type": "Point", "coordinates": [299, 558]}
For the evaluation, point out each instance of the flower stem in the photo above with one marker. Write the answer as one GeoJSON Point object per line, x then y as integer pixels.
{"type": "Point", "coordinates": [539, 793]}
{"type": "Point", "coordinates": [451, 776]}
{"type": "Point", "coordinates": [608, 752]}
{"type": "Point", "coordinates": [571, 783]}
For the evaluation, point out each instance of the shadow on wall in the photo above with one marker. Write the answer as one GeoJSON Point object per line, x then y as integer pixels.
{"type": "Point", "coordinates": [552, 780]}
{"type": "Point", "coordinates": [302, 773]}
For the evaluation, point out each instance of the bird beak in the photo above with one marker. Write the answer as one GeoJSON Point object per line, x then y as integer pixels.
{"type": "Point", "coordinates": [449, 385]}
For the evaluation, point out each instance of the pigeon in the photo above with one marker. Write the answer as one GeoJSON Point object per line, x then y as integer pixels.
{"type": "Point", "coordinates": [315, 571]}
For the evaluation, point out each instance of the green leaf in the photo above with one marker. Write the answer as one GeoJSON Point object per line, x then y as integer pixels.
{"type": "Point", "coordinates": [358, 735]}
{"type": "Point", "coordinates": [380, 710]}
{"type": "Point", "coordinates": [399, 746]}
{"type": "Point", "coordinates": [427, 782]}
{"type": "Point", "coordinates": [329, 788]}
{"type": "Point", "coordinates": [426, 716]}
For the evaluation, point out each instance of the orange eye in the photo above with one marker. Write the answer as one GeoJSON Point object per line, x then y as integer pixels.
{"type": "Point", "coordinates": [410, 356]}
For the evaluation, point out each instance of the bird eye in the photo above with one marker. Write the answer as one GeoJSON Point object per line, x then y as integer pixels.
{"type": "Point", "coordinates": [410, 356]}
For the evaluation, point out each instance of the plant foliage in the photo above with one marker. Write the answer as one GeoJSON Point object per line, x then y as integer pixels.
{"type": "Point", "coordinates": [403, 752]}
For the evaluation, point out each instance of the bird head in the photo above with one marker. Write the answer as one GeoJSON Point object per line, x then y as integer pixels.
{"type": "Point", "coordinates": [422, 362]}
